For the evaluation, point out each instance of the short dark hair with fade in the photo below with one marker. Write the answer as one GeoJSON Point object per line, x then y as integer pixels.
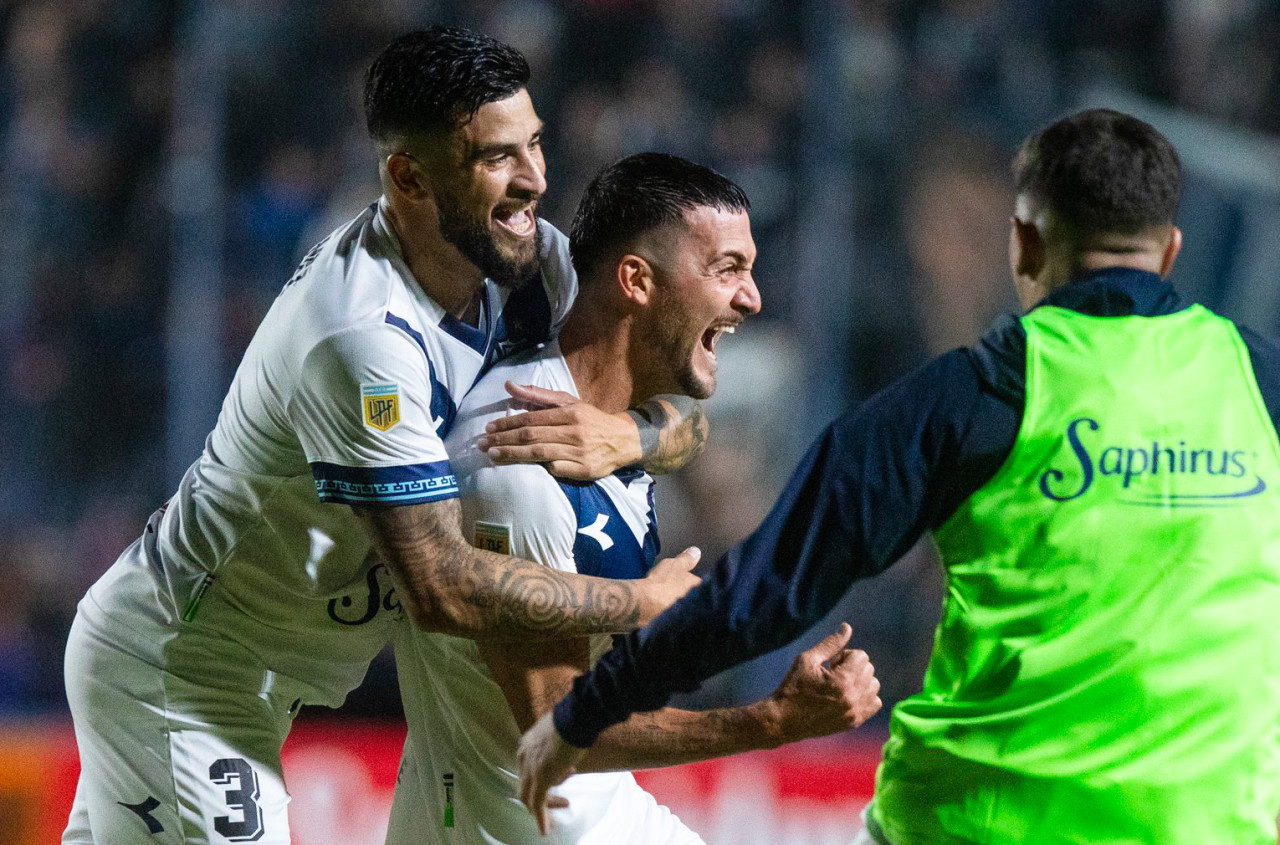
{"type": "Point", "coordinates": [640, 193]}
{"type": "Point", "coordinates": [1101, 171]}
{"type": "Point", "coordinates": [435, 80]}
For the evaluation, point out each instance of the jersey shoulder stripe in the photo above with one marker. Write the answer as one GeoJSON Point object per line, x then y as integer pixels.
{"type": "Point", "coordinates": [443, 409]}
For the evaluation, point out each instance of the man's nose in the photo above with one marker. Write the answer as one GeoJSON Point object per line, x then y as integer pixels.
{"type": "Point", "coordinates": [747, 297]}
{"type": "Point", "coordinates": [531, 178]}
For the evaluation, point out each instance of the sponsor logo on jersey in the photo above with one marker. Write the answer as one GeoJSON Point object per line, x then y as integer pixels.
{"type": "Point", "coordinates": [493, 537]}
{"type": "Point", "coordinates": [361, 609]}
{"type": "Point", "coordinates": [1205, 476]}
{"type": "Point", "coordinates": [381, 405]}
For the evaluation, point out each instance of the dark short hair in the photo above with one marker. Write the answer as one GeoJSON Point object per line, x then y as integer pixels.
{"type": "Point", "coordinates": [1101, 171]}
{"type": "Point", "coordinates": [640, 193]}
{"type": "Point", "coordinates": [435, 80]}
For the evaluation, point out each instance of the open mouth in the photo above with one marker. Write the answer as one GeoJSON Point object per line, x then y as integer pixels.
{"type": "Point", "coordinates": [712, 336]}
{"type": "Point", "coordinates": [519, 221]}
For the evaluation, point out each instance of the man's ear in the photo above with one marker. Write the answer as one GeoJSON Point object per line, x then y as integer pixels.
{"type": "Point", "coordinates": [634, 277]}
{"type": "Point", "coordinates": [408, 177]}
{"type": "Point", "coordinates": [1028, 244]}
{"type": "Point", "coordinates": [1171, 252]}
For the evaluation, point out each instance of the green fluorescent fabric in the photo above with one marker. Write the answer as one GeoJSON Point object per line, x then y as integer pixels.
{"type": "Point", "coordinates": [1107, 668]}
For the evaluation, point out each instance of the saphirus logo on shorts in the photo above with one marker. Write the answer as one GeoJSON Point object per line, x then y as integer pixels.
{"type": "Point", "coordinates": [1166, 472]}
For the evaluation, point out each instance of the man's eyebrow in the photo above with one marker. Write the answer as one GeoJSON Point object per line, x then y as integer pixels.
{"type": "Point", "coordinates": [740, 257]}
{"type": "Point", "coordinates": [493, 149]}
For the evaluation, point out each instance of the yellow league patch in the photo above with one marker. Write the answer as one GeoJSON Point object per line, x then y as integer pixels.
{"type": "Point", "coordinates": [381, 405]}
{"type": "Point", "coordinates": [493, 537]}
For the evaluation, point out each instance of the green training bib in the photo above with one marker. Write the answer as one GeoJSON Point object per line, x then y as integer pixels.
{"type": "Point", "coordinates": [1107, 667]}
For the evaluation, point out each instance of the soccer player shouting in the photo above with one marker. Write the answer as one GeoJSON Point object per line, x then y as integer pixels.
{"type": "Point", "coordinates": [664, 255]}
{"type": "Point", "coordinates": [323, 506]}
{"type": "Point", "coordinates": [1101, 476]}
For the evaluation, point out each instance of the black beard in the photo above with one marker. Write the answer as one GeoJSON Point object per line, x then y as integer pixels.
{"type": "Point", "coordinates": [474, 240]}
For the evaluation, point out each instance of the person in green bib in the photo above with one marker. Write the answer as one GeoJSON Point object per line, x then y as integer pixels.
{"type": "Point", "coordinates": [1101, 476]}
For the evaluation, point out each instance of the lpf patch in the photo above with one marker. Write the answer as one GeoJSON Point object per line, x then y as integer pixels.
{"type": "Point", "coordinates": [493, 537]}
{"type": "Point", "coordinates": [381, 405]}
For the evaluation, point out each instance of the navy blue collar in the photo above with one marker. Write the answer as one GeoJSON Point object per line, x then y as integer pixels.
{"type": "Point", "coordinates": [475, 337]}
{"type": "Point", "coordinates": [1117, 292]}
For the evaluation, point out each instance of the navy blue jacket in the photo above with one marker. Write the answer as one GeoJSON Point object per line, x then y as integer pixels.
{"type": "Point", "coordinates": [870, 485]}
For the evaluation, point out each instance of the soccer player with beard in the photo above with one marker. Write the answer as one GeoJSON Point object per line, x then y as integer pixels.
{"type": "Point", "coordinates": [324, 502]}
{"type": "Point", "coordinates": [1100, 476]}
{"type": "Point", "coordinates": [664, 253]}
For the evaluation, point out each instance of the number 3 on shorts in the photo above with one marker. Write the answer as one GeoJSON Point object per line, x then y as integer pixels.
{"type": "Point", "coordinates": [242, 800]}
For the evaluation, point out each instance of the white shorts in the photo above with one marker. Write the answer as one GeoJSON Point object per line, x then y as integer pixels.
{"type": "Point", "coordinates": [164, 760]}
{"type": "Point", "coordinates": [419, 816]}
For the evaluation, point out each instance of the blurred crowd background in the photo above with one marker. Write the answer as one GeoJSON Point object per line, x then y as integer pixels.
{"type": "Point", "coordinates": [164, 165]}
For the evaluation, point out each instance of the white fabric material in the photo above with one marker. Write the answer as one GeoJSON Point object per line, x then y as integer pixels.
{"type": "Point", "coordinates": [246, 582]}
{"type": "Point", "coordinates": [198, 764]}
{"type": "Point", "coordinates": [462, 737]}
{"type": "Point", "coordinates": [296, 587]}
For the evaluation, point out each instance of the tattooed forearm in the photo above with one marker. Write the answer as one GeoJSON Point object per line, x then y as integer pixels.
{"type": "Point", "coordinates": [537, 599]}
{"type": "Point", "coordinates": [673, 431]}
{"type": "Point", "coordinates": [452, 587]}
{"type": "Point", "coordinates": [534, 676]}
{"type": "Point", "coordinates": [671, 737]}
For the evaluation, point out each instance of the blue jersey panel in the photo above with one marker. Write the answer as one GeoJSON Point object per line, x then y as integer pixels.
{"type": "Point", "coordinates": [525, 322]}
{"type": "Point", "coordinates": [443, 408]}
{"type": "Point", "coordinates": [606, 545]}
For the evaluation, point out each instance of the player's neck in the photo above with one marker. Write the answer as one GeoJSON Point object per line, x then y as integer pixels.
{"type": "Point", "coordinates": [437, 266]}
{"type": "Point", "coordinates": [596, 346]}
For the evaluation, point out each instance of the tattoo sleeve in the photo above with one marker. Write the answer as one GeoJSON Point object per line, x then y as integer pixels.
{"type": "Point", "coordinates": [449, 586]}
{"type": "Point", "coordinates": [673, 431]}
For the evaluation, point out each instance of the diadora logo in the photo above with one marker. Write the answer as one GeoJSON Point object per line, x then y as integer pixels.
{"type": "Point", "coordinates": [1216, 477]}
{"type": "Point", "coordinates": [596, 532]}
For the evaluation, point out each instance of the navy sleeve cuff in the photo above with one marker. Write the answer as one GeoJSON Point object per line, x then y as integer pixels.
{"type": "Point", "coordinates": [577, 722]}
{"type": "Point", "coordinates": [399, 485]}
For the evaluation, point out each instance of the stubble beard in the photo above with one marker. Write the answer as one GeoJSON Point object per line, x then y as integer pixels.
{"type": "Point", "coordinates": [671, 331]}
{"type": "Point", "coordinates": [473, 238]}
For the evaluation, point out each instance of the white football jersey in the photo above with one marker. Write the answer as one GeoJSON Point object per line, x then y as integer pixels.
{"type": "Point", "coordinates": [257, 574]}
{"type": "Point", "coordinates": [458, 780]}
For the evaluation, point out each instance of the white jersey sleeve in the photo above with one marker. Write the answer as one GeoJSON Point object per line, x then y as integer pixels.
{"type": "Point", "coordinates": [460, 755]}
{"type": "Point", "coordinates": [363, 414]}
{"type": "Point", "coordinates": [558, 275]}
{"type": "Point", "coordinates": [519, 510]}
